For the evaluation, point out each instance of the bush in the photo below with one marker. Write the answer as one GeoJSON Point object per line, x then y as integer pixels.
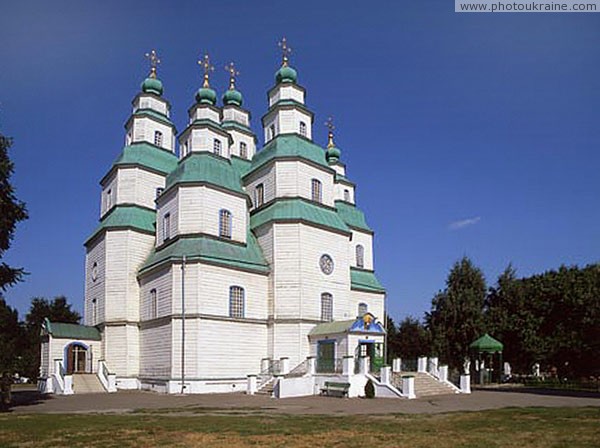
{"type": "Point", "coordinates": [369, 390]}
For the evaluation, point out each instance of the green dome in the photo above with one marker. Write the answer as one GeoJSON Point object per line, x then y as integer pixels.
{"type": "Point", "coordinates": [232, 97]}
{"type": "Point", "coordinates": [206, 96]}
{"type": "Point", "coordinates": [286, 74]}
{"type": "Point", "coordinates": [333, 154]}
{"type": "Point", "coordinates": [152, 85]}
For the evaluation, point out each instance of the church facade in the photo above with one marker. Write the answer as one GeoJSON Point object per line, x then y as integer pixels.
{"type": "Point", "coordinates": [214, 260]}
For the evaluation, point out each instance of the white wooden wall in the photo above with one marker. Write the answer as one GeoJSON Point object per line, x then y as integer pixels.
{"type": "Point", "coordinates": [365, 240]}
{"type": "Point", "coordinates": [169, 204]}
{"type": "Point", "coordinates": [238, 138]}
{"type": "Point", "coordinates": [156, 350]}
{"type": "Point", "coordinates": [286, 92]}
{"type": "Point", "coordinates": [205, 113]}
{"type": "Point", "coordinates": [287, 121]}
{"type": "Point", "coordinates": [340, 195]}
{"type": "Point", "coordinates": [237, 115]}
{"type": "Point", "coordinates": [95, 289]}
{"type": "Point", "coordinates": [122, 349]}
{"type": "Point", "coordinates": [202, 139]}
{"type": "Point", "coordinates": [56, 350]}
{"type": "Point", "coordinates": [149, 102]}
{"type": "Point", "coordinates": [265, 176]}
{"type": "Point", "coordinates": [143, 129]}
{"type": "Point", "coordinates": [162, 281]}
{"type": "Point", "coordinates": [374, 301]}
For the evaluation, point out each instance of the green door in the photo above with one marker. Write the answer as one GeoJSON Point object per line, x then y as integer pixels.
{"type": "Point", "coordinates": [325, 356]}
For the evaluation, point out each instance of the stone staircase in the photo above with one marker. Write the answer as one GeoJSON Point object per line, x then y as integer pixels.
{"type": "Point", "coordinates": [425, 384]}
{"type": "Point", "coordinates": [267, 388]}
{"type": "Point", "coordinates": [87, 383]}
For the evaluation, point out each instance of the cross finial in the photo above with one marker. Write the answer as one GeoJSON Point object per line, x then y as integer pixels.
{"type": "Point", "coordinates": [207, 67]}
{"type": "Point", "coordinates": [329, 125]}
{"type": "Point", "coordinates": [232, 74]}
{"type": "Point", "coordinates": [154, 61]}
{"type": "Point", "coordinates": [285, 50]}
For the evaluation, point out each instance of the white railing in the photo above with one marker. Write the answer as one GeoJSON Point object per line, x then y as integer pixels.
{"type": "Point", "coordinates": [63, 384]}
{"type": "Point", "coordinates": [107, 379]}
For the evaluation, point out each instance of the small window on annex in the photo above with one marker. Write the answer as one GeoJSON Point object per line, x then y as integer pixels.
{"type": "Point", "coordinates": [272, 131]}
{"type": "Point", "coordinates": [347, 195]}
{"type": "Point", "coordinates": [225, 223]}
{"type": "Point", "coordinates": [259, 195]}
{"type": "Point", "coordinates": [236, 301]}
{"type": "Point", "coordinates": [360, 256]}
{"type": "Point", "coordinates": [158, 138]}
{"type": "Point", "coordinates": [94, 311]}
{"type": "Point", "coordinates": [326, 307]}
{"type": "Point", "coordinates": [316, 192]}
{"type": "Point", "coordinates": [167, 226]}
{"type": "Point", "coordinates": [153, 304]}
{"type": "Point", "coordinates": [243, 150]}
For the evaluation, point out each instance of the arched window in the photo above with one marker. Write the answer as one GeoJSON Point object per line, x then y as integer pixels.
{"type": "Point", "coordinates": [108, 199]}
{"type": "Point", "coordinates": [360, 256]}
{"type": "Point", "coordinates": [94, 311]}
{"type": "Point", "coordinates": [259, 195]}
{"type": "Point", "coordinates": [363, 308]}
{"type": "Point", "coordinates": [225, 223]}
{"type": "Point", "coordinates": [159, 191]}
{"type": "Point", "coordinates": [153, 304]}
{"type": "Point", "coordinates": [167, 226]}
{"type": "Point", "coordinates": [272, 129]}
{"type": "Point", "coordinates": [243, 150]}
{"type": "Point", "coordinates": [236, 301]}
{"type": "Point", "coordinates": [326, 307]}
{"type": "Point", "coordinates": [303, 129]}
{"type": "Point", "coordinates": [158, 138]}
{"type": "Point", "coordinates": [217, 146]}
{"type": "Point", "coordinates": [316, 190]}
{"type": "Point", "coordinates": [347, 195]}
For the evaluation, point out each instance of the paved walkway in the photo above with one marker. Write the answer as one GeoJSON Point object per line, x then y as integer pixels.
{"type": "Point", "coordinates": [128, 401]}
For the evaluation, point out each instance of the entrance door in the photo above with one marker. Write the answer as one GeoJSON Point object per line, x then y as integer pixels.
{"type": "Point", "coordinates": [76, 359]}
{"type": "Point", "coordinates": [326, 357]}
{"type": "Point", "coordinates": [372, 350]}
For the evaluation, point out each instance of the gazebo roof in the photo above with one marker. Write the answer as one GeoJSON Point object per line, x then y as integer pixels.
{"type": "Point", "coordinates": [487, 344]}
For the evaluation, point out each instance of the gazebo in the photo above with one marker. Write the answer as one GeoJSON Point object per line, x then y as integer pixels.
{"type": "Point", "coordinates": [487, 354]}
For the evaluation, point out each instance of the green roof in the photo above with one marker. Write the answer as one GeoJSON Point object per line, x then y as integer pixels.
{"type": "Point", "coordinates": [242, 166]}
{"type": "Point", "coordinates": [147, 156]}
{"type": "Point", "coordinates": [341, 178]}
{"type": "Point", "coordinates": [487, 344]}
{"type": "Point", "coordinates": [289, 146]}
{"type": "Point", "coordinates": [127, 216]}
{"type": "Point", "coordinates": [365, 281]}
{"type": "Point", "coordinates": [211, 250]}
{"type": "Point", "coordinates": [352, 216]}
{"type": "Point", "coordinates": [205, 167]}
{"type": "Point", "coordinates": [335, 327]}
{"type": "Point", "coordinates": [298, 209]}
{"type": "Point", "coordinates": [71, 331]}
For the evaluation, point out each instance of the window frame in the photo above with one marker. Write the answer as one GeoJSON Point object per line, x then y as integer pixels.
{"type": "Point", "coordinates": [326, 307]}
{"type": "Point", "coordinates": [217, 147]}
{"type": "Point", "coordinates": [316, 190]}
{"type": "Point", "coordinates": [237, 302]}
{"type": "Point", "coordinates": [158, 138]}
{"type": "Point", "coordinates": [363, 306]}
{"type": "Point", "coordinates": [225, 224]}
{"type": "Point", "coordinates": [259, 195]}
{"type": "Point", "coordinates": [302, 129]}
{"type": "Point", "coordinates": [153, 303]}
{"type": "Point", "coordinates": [166, 227]}
{"type": "Point", "coordinates": [360, 256]}
{"type": "Point", "coordinates": [243, 150]}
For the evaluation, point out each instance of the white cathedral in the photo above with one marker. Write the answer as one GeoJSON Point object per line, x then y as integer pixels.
{"type": "Point", "coordinates": [215, 261]}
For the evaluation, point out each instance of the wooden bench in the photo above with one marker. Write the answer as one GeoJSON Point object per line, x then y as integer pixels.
{"type": "Point", "coordinates": [335, 389]}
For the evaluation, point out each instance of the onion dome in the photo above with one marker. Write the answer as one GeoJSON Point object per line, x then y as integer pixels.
{"type": "Point", "coordinates": [206, 95]}
{"type": "Point", "coordinates": [152, 85]}
{"type": "Point", "coordinates": [232, 97]}
{"type": "Point", "coordinates": [286, 74]}
{"type": "Point", "coordinates": [333, 155]}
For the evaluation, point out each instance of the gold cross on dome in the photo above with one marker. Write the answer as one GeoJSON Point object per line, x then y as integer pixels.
{"type": "Point", "coordinates": [154, 61]}
{"type": "Point", "coordinates": [207, 67]}
{"type": "Point", "coordinates": [329, 125]}
{"type": "Point", "coordinates": [285, 50]}
{"type": "Point", "coordinates": [232, 74]}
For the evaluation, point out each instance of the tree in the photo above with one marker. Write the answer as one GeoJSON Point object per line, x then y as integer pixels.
{"type": "Point", "coordinates": [56, 310]}
{"type": "Point", "coordinates": [456, 316]}
{"type": "Point", "coordinates": [11, 212]}
{"type": "Point", "coordinates": [10, 337]}
{"type": "Point", "coordinates": [412, 339]}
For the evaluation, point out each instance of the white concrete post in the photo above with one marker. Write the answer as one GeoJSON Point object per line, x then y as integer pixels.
{"type": "Point", "coordinates": [443, 373]}
{"type": "Point", "coordinates": [68, 385]}
{"type": "Point", "coordinates": [465, 384]}
{"type": "Point", "coordinates": [312, 365]}
{"type": "Point", "coordinates": [408, 387]}
{"type": "Point", "coordinates": [433, 366]}
{"type": "Point", "coordinates": [348, 365]}
{"type": "Point", "coordinates": [285, 365]}
{"type": "Point", "coordinates": [252, 385]}
{"type": "Point", "coordinates": [397, 365]}
{"type": "Point", "coordinates": [422, 364]}
{"type": "Point", "coordinates": [364, 364]}
{"type": "Point", "coordinates": [265, 363]}
{"type": "Point", "coordinates": [386, 375]}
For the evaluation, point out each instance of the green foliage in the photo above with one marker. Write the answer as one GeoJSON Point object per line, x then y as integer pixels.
{"type": "Point", "coordinates": [369, 390]}
{"type": "Point", "coordinates": [57, 310]}
{"type": "Point", "coordinates": [456, 317]}
{"type": "Point", "coordinates": [412, 339]}
{"type": "Point", "coordinates": [552, 318]}
{"type": "Point", "coordinates": [11, 212]}
{"type": "Point", "coordinates": [11, 336]}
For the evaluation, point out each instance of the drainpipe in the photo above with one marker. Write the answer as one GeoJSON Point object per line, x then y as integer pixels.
{"type": "Point", "coordinates": [183, 325]}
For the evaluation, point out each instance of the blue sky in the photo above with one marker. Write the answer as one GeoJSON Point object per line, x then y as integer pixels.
{"type": "Point", "coordinates": [467, 134]}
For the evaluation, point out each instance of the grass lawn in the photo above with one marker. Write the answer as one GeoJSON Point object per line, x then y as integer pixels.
{"type": "Point", "coordinates": [512, 427]}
